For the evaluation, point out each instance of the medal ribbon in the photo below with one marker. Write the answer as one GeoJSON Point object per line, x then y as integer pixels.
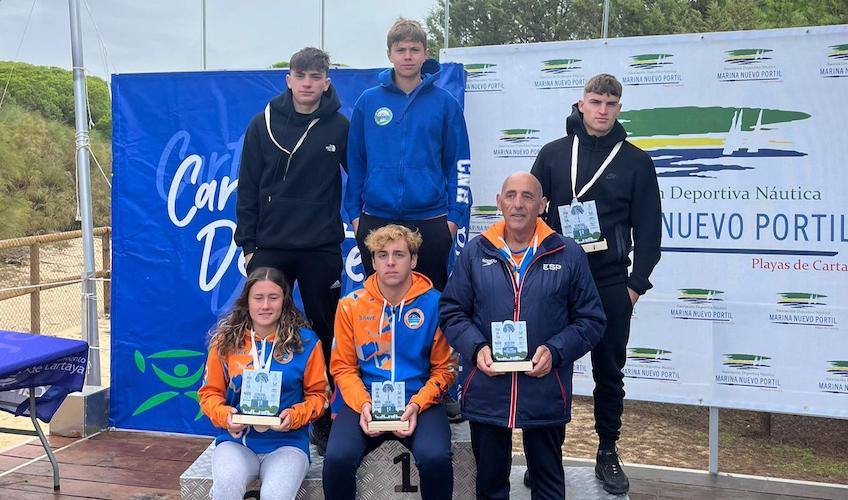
{"type": "Point", "coordinates": [263, 364]}
{"type": "Point", "coordinates": [595, 177]}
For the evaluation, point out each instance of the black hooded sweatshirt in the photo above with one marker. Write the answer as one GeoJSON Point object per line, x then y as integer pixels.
{"type": "Point", "coordinates": [292, 203]}
{"type": "Point", "coordinates": [626, 195]}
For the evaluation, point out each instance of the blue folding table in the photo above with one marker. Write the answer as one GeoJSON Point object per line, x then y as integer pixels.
{"type": "Point", "coordinates": [37, 372]}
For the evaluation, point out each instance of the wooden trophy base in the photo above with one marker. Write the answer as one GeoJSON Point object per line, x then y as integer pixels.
{"type": "Point", "coordinates": [595, 247]}
{"type": "Point", "coordinates": [263, 420]}
{"type": "Point", "coordinates": [388, 425]}
{"type": "Point", "coordinates": [512, 366]}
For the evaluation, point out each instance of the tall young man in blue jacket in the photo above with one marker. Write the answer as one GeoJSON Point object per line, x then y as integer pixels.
{"type": "Point", "coordinates": [408, 155]}
{"type": "Point", "coordinates": [521, 270]}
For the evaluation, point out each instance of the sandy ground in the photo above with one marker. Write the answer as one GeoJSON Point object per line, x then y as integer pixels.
{"type": "Point", "coordinates": [9, 420]}
{"type": "Point", "coordinates": [60, 308]}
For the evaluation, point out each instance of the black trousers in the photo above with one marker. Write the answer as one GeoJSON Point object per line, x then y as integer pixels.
{"type": "Point", "coordinates": [318, 274]}
{"type": "Point", "coordinates": [433, 254]}
{"type": "Point", "coordinates": [608, 359]}
{"type": "Point", "coordinates": [492, 447]}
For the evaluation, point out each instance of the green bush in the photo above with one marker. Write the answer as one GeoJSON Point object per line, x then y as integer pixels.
{"type": "Point", "coordinates": [50, 91]}
{"type": "Point", "coordinates": [38, 165]}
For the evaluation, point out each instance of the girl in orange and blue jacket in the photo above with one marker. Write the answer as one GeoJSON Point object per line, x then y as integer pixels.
{"type": "Point", "coordinates": [263, 318]}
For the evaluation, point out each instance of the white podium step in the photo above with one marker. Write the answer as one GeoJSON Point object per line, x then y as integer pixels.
{"type": "Point", "coordinates": [580, 484]}
{"type": "Point", "coordinates": [389, 473]}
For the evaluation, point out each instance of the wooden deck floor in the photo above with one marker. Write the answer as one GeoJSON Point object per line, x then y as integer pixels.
{"type": "Point", "coordinates": [110, 465]}
{"type": "Point", "coordinates": [147, 466]}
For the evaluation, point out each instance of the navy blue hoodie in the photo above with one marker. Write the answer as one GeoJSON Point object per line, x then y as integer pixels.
{"type": "Point", "coordinates": [408, 155]}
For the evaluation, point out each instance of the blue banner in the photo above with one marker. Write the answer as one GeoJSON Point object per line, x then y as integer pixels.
{"type": "Point", "coordinates": [176, 147]}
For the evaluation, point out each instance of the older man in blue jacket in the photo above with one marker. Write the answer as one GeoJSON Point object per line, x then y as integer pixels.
{"type": "Point", "coordinates": [521, 270]}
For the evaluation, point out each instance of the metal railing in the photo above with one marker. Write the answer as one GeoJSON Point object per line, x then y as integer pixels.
{"type": "Point", "coordinates": [35, 285]}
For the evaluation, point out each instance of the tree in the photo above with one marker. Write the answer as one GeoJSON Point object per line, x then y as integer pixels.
{"type": "Point", "coordinates": [493, 22]}
{"type": "Point", "coordinates": [285, 65]}
{"type": "Point", "coordinates": [50, 91]}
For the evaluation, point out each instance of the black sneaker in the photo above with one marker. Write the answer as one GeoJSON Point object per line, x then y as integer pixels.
{"type": "Point", "coordinates": [321, 433]}
{"type": "Point", "coordinates": [608, 470]}
{"type": "Point", "coordinates": [527, 478]}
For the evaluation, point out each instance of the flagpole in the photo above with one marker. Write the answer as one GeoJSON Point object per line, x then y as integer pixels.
{"type": "Point", "coordinates": [447, 23]}
{"type": "Point", "coordinates": [321, 26]}
{"type": "Point", "coordinates": [89, 290]}
{"type": "Point", "coordinates": [203, 30]}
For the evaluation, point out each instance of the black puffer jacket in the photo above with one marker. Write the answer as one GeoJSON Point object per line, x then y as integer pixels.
{"type": "Point", "coordinates": [292, 205]}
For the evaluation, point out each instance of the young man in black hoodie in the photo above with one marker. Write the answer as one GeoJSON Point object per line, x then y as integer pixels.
{"type": "Point", "coordinates": [290, 191]}
{"type": "Point", "coordinates": [621, 180]}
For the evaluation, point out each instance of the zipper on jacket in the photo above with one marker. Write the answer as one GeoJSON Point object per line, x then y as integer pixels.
{"type": "Point", "coordinates": [516, 313]}
{"type": "Point", "coordinates": [286, 170]}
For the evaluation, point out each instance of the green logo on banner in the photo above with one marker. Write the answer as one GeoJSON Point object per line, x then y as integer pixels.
{"type": "Point", "coordinates": [800, 300]}
{"type": "Point", "coordinates": [558, 66]}
{"type": "Point", "coordinates": [700, 142]}
{"type": "Point", "coordinates": [650, 61]}
{"type": "Point", "coordinates": [383, 116]}
{"type": "Point", "coordinates": [477, 70]}
{"type": "Point", "coordinates": [647, 355]}
{"type": "Point", "coordinates": [177, 375]}
{"type": "Point", "coordinates": [838, 367]}
{"type": "Point", "coordinates": [745, 361]}
{"type": "Point", "coordinates": [744, 57]}
{"type": "Point", "coordinates": [839, 51]}
{"type": "Point", "coordinates": [518, 135]}
{"type": "Point", "coordinates": [699, 295]}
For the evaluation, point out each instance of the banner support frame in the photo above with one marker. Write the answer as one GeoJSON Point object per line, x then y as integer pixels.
{"type": "Point", "coordinates": [713, 467]}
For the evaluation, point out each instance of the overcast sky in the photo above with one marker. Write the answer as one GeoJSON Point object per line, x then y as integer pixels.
{"type": "Point", "coordinates": [165, 35]}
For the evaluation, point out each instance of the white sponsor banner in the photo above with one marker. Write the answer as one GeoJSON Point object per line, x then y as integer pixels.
{"type": "Point", "coordinates": [747, 132]}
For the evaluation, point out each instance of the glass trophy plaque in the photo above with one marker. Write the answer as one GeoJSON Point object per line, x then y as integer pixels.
{"type": "Point", "coordinates": [509, 347]}
{"type": "Point", "coordinates": [388, 402]}
{"type": "Point", "coordinates": [580, 222]}
{"type": "Point", "coordinates": [260, 398]}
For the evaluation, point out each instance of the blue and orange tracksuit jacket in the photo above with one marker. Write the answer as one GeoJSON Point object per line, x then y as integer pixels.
{"type": "Point", "coordinates": [305, 392]}
{"type": "Point", "coordinates": [551, 288]}
{"type": "Point", "coordinates": [376, 341]}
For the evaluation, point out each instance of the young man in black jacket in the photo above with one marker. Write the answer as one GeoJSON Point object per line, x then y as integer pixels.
{"type": "Point", "coordinates": [621, 180]}
{"type": "Point", "coordinates": [290, 191]}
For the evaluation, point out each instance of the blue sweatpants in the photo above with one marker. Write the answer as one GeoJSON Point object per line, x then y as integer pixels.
{"type": "Point", "coordinates": [430, 445]}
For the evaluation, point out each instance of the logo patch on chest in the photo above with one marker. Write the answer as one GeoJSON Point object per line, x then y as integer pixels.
{"type": "Point", "coordinates": [413, 318]}
{"type": "Point", "coordinates": [383, 116]}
